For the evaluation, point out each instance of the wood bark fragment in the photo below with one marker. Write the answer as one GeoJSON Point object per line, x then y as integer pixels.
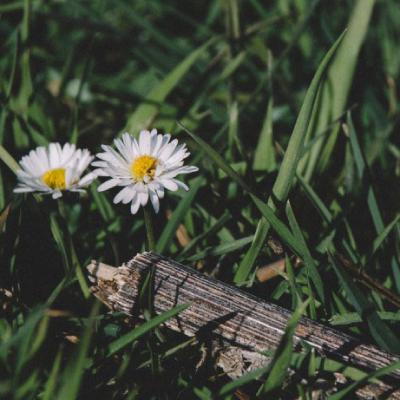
{"type": "Point", "coordinates": [244, 325]}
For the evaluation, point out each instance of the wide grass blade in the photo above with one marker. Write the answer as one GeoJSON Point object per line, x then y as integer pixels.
{"type": "Point", "coordinates": [8, 159]}
{"type": "Point", "coordinates": [339, 80]}
{"type": "Point", "coordinates": [289, 164]}
{"type": "Point", "coordinates": [145, 114]}
{"type": "Point", "coordinates": [264, 156]}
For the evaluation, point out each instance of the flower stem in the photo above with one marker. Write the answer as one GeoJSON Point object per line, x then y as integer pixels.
{"type": "Point", "coordinates": [151, 243]}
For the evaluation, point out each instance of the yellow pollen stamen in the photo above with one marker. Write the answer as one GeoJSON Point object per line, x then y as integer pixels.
{"type": "Point", "coordinates": [55, 178]}
{"type": "Point", "coordinates": [143, 166]}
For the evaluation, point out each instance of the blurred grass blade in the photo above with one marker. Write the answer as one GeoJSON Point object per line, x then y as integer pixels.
{"type": "Point", "coordinates": [281, 361]}
{"type": "Point", "coordinates": [105, 208]}
{"type": "Point", "coordinates": [264, 155]}
{"type": "Point", "coordinates": [26, 87]}
{"type": "Point", "coordinates": [147, 326]}
{"type": "Point", "coordinates": [52, 380]}
{"type": "Point", "coordinates": [380, 331]}
{"type": "Point", "coordinates": [8, 159]}
{"type": "Point", "coordinates": [73, 372]}
{"type": "Point", "coordinates": [290, 160]}
{"type": "Point", "coordinates": [146, 112]}
{"type": "Point", "coordinates": [177, 216]}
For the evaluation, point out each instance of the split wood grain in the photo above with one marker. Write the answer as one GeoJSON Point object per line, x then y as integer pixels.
{"type": "Point", "coordinates": [237, 318]}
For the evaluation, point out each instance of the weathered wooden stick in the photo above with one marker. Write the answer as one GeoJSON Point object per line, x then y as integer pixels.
{"type": "Point", "coordinates": [246, 324]}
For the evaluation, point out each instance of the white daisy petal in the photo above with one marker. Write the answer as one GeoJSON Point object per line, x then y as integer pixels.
{"type": "Point", "coordinates": [56, 194]}
{"type": "Point", "coordinates": [144, 142]}
{"type": "Point", "coordinates": [108, 185]}
{"type": "Point", "coordinates": [160, 192]}
{"type": "Point", "coordinates": [135, 205]}
{"type": "Point", "coordinates": [144, 197]}
{"type": "Point", "coordinates": [87, 179]}
{"type": "Point", "coordinates": [23, 189]}
{"type": "Point", "coordinates": [168, 150]}
{"type": "Point", "coordinates": [125, 195]}
{"type": "Point", "coordinates": [53, 170]}
{"type": "Point", "coordinates": [144, 168]}
{"type": "Point", "coordinates": [181, 185]}
{"type": "Point", "coordinates": [154, 200]}
{"type": "Point", "coordinates": [169, 184]}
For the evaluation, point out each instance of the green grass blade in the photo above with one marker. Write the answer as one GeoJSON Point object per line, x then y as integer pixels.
{"type": "Point", "coordinates": [362, 170]}
{"type": "Point", "coordinates": [283, 354]}
{"type": "Point", "coordinates": [278, 226]}
{"type": "Point", "coordinates": [222, 249]}
{"type": "Point", "coordinates": [384, 234]}
{"type": "Point", "coordinates": [243, 380]}
{"type": "Point", "coordinates": [340, 79]}
{"type": "Point", "coordinates": [264, 156]}
{"type": "Point", "coordinates": [295, 147]}
{"type": "Point", "coordinates": [311, 267]}
{"type": "Point", "coordinates": [354, 318]}
{"type": "Point", "coordinates": [214, 156]}
{"type": "Point", "coordinates": [379, 330]}
{"type": "Point", "coordinates": [177, 216]}
{"type": "Point", "coordinates": [349, 390]}
{"type": "Point", "coordinates": [315, 200]}
{"type": "Point", "coordinates": [217, 226]}
{"type": "Point", "coordinates": [289, 164]}
{"type": "Point", "coordinates": [73, 373]}
{"type": "Point", "coordinates": [146, 112]}
{"type": "Point", "coordinates": [8, 159]}
{"type": "Point", "coordinates": [51, 382]}
{"type": "Point", "coordinates": [147, 326]}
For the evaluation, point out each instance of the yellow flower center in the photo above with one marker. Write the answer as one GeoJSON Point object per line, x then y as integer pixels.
{"type": "Point", "coordinates": [55, 178]}
{"type": "Point", "coordinates": [143, 166]}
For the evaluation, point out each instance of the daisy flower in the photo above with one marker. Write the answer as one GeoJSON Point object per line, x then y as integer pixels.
{"type": "Point", "coordinates": [54, 169]}
{"type": "Point", "coordinates": [144, 168]}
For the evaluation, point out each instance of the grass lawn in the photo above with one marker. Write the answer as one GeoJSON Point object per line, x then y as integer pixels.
{"type": "Point", "coordinates": [290, 112]}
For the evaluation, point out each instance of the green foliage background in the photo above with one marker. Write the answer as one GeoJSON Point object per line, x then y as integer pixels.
{"type": "Point", "coordinates": [314, 166]}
